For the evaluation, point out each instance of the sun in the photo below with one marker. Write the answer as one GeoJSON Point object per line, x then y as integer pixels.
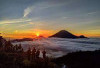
{"type": "Point", "coordinates": [37, 34]}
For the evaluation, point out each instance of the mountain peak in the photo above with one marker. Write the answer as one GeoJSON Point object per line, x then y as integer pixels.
{"type": "Point", "coordinates": [64, 34]}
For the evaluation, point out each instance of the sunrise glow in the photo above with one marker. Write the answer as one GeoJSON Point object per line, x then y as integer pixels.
{"type": "Point", "coordinates": [41, 33]}
{"type": "Point", "coordinates": [48, 17]}
{"type": "Point", "coordinates": [37, 34]}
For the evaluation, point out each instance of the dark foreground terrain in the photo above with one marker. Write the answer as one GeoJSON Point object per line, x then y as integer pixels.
{"type": "Point", "coordinates": [87, 59]}
{"type": "Point", "coordinates": [13, 56]}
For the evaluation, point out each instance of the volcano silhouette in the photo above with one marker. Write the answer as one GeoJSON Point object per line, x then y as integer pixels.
{"type": "Point", "coordinates": [64, 34]}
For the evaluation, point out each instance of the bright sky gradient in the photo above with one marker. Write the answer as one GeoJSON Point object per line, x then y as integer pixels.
{"type": "Point", "coordinates": [26, 18]}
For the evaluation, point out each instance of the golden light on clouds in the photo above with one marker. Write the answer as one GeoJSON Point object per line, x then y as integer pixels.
{"type": "Point", "coordinates": [39, 32]}
{"type": "Point", "coordinates": [16, 31]}
{"type": "Point", "coordinates": [31, 23]}
{"type": "Point", "coordinates": [28, 33]}
{"type": "Point", "coordinates": [15, 21]}
{"type": "Point", "coordinates": [45, 33]}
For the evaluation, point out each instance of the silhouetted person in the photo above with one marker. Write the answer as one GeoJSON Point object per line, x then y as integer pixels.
{"type": "Point", "coordinates": [29, 53]}
{"type": "Point", "coordinates": [44, 54]}
{"type": "Point", "coordinates": [37, 53]}
{"type": "Point", "coordinates": [16, 47]}
{"type": "Point", "coordinates": [20, 49]}
{"type": "Point", "coordinates": [33, 53]}
{"type": "Point", "coordinates": [20, 46]}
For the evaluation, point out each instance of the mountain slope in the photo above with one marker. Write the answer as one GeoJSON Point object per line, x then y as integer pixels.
{"type": "Point", "coordinates": [64, 34]}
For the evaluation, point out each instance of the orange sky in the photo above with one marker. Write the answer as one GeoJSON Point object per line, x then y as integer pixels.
{"type": "Point", "coordinates": [28, 34]}
{"type": "Point", "coordinates": [28, 18]}
{"type": "Point", "coordinates": [37, 32]}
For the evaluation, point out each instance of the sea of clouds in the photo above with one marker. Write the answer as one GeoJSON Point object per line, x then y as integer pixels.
{"type": "Point", "coordinates": [57, 47]}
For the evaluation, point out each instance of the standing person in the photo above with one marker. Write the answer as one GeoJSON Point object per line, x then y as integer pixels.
{"type": "Point", "coordinates": [44, 54]}
{"type": "Point", "coordinates": [37, 53]}
{"type": "Point", "coordinates": [33, 53]}
{"type": "Point", "coordinates": [29, 53]}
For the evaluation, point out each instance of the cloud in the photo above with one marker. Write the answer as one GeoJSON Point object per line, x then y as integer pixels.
{"type": "Point", "coordinates": [27, 11]}
{"type": "Point", "coordinates": [33, 8]}
{"type": "Point", "coordinates": [14, 21]}
{"type": "Point", "coordinates": [91, 13]}
{"type": "Point", "coordinates": [31, 23]}
{"type": "Point", "coordinates": [38, 7]}
{"type": "Point", "coordinates": [16, 31]}
{"type": "Point", "coordinates": [57, 47]}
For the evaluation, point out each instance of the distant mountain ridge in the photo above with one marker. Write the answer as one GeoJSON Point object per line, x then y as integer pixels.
{"type": "Point", "coordinates": [66, 34]}
{"type": "Point", "coordinates": [27, 39]}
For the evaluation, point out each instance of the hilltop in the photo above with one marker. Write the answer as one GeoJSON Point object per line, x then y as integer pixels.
{"type": "Point", "coordinates": [66, 34]}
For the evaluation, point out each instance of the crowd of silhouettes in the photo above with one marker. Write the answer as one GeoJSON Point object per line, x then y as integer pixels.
{"type": "Point", "coordinates": [7, 46]}
{"type": "Point", "coordinates": [35, 53]}
{"type": "Point", "coordinates": [13, 56]}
